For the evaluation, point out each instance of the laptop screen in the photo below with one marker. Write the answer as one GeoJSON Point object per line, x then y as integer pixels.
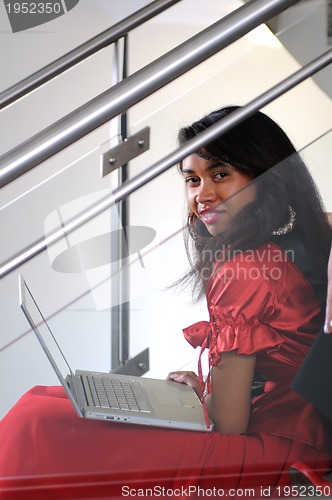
{"type": "Point", "coordinates": [43, 332]}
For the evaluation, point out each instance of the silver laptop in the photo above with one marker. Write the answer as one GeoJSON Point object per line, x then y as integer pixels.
{"type": "Point", "coordinates": [114, 397]}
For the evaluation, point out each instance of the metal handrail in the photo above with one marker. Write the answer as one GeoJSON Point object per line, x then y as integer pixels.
{"type": "Point", "coordinates": [83, 51]}
{"type": "Point", "coordinates": [136, 87]}
{"type": "Point", "coordinates": [191, 146]}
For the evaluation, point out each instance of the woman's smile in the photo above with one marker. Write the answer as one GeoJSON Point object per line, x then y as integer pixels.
{"type": "Point", "coordinates": [210, 216]}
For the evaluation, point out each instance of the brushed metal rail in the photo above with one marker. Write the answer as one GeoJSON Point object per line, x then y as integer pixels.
{"type": "Point", "coordinates": [85, 50]}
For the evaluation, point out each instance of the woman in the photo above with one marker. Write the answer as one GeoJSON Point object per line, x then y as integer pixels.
{"type": "Point", "coordinates": [254, 220]}
{"type": "Point", "coordinates": [241, 223]}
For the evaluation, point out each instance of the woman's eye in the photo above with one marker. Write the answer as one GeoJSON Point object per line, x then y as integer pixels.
{"type": "Point", "coordinates": [192, 180]}
{"type": "Point", "coordinates": [220, 175]}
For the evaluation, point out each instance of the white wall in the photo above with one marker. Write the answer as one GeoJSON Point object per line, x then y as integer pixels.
{"type": "Point", "coordinates": [239, 74]}
{"type": "Point", "coordinates": [309, 16]}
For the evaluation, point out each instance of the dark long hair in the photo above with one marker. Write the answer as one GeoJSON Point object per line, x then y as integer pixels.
{"type": "Point", "coordinates": [260, 148]}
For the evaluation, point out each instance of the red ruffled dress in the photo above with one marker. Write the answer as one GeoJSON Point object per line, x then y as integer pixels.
{"type": "Point", "coordinates": [259, 302]}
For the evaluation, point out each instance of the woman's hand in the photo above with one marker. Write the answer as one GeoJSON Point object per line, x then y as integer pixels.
{"type": "Point", "coordinates": [188, 378]}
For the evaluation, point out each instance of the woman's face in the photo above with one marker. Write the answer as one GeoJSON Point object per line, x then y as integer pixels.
{"type": "Point", "coordinates": [211, 187]}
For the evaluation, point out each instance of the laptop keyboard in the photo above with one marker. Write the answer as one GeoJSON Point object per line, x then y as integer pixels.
{"type": "Point", "coordinates": [117, 394]}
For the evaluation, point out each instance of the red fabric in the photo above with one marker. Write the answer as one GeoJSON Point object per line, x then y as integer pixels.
{"type": "Point", "coordinates": [48, 452]}
{"type": "Point", "coordinates": [259, 302]}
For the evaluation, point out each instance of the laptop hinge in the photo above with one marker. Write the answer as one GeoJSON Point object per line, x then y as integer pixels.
{"type": "Point", "coordinates": [73, 396]}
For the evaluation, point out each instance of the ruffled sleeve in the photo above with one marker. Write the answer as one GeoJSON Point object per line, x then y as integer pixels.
{"type": "Point", "coordinates": [240, 305]}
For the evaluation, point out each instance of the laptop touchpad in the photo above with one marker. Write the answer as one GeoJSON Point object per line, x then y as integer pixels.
{"type": "Point", "coordinates": [175, 399]}
{"type": "Point", "coordinates": [167, 398]}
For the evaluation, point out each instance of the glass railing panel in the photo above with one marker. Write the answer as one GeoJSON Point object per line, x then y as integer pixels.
{"type": "Point", "coordinates": [41, 203]}
{"type": "Point", "coordinates": [81, 179]}
{"type": "Point", "coordinates": [58, 98]}
{"type": "Point", "coordinates": [51, 40]}
{"type": "Point", "coordinates": [227, 78]}
{"type": "Point", "coordinates": [27, 220]}
{"type": "Point", "coordinates": [66, 36]}
{"type": "Point", "coordinates": [21, 364]}
{"type": "Point", "coordinates": [149, 276]}
{"type": "Point", "coordinates": [317, 156]}
{"type": "Point", "coordinates": [292, 28]}
{"type": "Point", "coordinates": [237, 75]}
{"type": "Point", "coordinates": [78, 275]}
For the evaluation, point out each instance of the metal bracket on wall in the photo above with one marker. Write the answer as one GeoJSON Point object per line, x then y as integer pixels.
{"type": "Point", "coordinates": [136, 366]}
{"type": "Point", "coordinates": [122, 153]}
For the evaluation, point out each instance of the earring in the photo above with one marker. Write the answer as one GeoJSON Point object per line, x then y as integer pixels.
{"type": "Point", "coordinates": [191, 225]}
{"type": "Point", "coordinates": [289, 226]}
{"type": "Point", "coordinates": [191, 217]}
